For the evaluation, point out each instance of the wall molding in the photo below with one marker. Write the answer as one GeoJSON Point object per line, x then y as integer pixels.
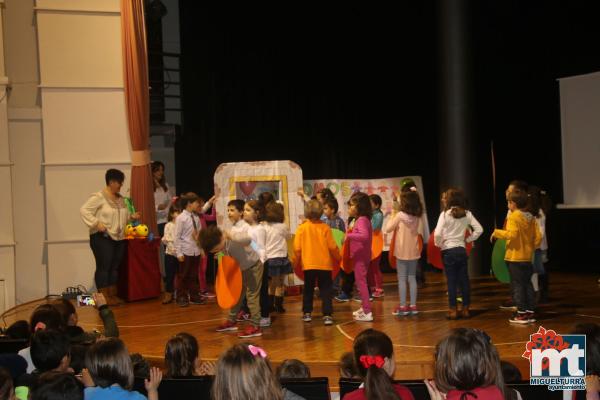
{"type": "Point", "coordinates": [58, 10]}
{"type": "Point", "coordinates": [66, 86]}
{"type": "Point", "coordinates": [83, 163]}
{"type": "Point", "coordinates": [24, 114]}
{"type": "Point", "coordinates": [66, 241]}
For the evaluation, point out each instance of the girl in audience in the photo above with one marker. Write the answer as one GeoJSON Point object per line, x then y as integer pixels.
{"type": "Point", "coordinates": [182, 357]}
{"type": "Point", "coordinates": [7, 391]}
{"type": "Point", "coordinates": [109, 373]}
{"type": "Point", "coordinates": [467, 366]}
{"type": "Point", "coordinates": [58, 385]}
{"type": "Point", "coordinates": [375, 362]}
{"type": "Point", "coordinates": [244, 372]}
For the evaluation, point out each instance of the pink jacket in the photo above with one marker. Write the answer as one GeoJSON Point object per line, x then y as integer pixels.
{"type": "Point", "coordinates": [359, 240]}
{"type": "Point", "coordinates": [406, 244]}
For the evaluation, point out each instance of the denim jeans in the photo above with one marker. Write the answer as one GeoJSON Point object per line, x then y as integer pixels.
{"type": "Point", "coordinates": [109, 255]}
{"type": "Point", "coordinates": [407, 269]}
{"type": "Point", "coordinates": [457, 274]}
{"type": "Point", "coordinates": [520, 285]}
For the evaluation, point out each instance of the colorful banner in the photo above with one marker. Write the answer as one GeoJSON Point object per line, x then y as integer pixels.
{"type": "Point", "coordinates": [386, 187]}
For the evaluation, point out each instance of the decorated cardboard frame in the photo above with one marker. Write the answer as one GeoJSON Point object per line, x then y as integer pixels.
{"type": "Point", "coordinates": [246, 180]}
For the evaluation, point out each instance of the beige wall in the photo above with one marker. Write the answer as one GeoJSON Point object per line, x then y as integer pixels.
{"type": "Point", "coordinates": [66, 125]}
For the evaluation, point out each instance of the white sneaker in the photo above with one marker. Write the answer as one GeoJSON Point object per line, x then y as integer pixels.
{"type": "Point", "coordinates": [355, 313]}
{"type": "Point", "coordinates": [265, 322]}
{"type": "Point", "coordinates": [362, 317]}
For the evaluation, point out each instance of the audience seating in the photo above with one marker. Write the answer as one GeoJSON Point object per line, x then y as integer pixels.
{"type": "Point", "coordinates": [536, 392]}
{"type": "Point", "coordinates": [12, 345]}
{"type": "Point", "coordinates": [197, 387]}
{"type": "Point", "coordinates": [309, 388]}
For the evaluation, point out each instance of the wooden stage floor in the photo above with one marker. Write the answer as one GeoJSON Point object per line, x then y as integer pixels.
{"type": "Point", "coordinates": [146, 326]}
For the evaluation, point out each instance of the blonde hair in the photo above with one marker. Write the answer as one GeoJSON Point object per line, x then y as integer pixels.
{"type": "Point", "coordinates": [241, 375]}
{"type": "Point", "coordinates": [313, 209]}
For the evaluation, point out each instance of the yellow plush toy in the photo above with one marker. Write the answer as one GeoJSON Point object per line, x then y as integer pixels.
{"type": "Point", "coordinates": [141, 231]}
{"type": "Point", "coordinates": [129, 231]}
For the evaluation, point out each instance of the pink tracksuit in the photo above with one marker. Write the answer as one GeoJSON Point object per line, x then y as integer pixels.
{"type": "Point", "coordinates": [359, 239]}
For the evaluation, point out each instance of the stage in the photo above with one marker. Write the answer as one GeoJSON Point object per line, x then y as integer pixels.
{"type": "Point", "coordinates": [145, 326]}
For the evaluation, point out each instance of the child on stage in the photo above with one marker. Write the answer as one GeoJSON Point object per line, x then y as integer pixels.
{"type": "Point", "coordinates": [405, 222]}
{"type": "Point", "coordinates": [276, 252]}
{"type": "Point", "coordinates": [188, 253]}
{"type": "Point", "coordinates": [315, 248]}
{"type": "Point", "coordinates": [238, 246]}
{"type": "Point", "coordinates": [171, 262]}
{"type": "Point", "coordinates": [522, 238]}
{"type": "Point", "coordinates": [374, 277]}
{"type": "Point", "coordinates": [359, 238]}
{"type": "Point", "coordinates": [449, 235]}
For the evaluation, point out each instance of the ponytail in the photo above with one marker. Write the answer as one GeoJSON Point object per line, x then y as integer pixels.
{"type": "Point", "coordinates": [378, 385]}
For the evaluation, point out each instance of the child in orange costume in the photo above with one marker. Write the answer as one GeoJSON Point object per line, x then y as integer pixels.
{"type": "Point", "coordinates": [315, 248]}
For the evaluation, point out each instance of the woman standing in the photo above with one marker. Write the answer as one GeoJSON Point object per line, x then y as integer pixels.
{"type": "Point", "coordinates": [162, 198]}
{"type": "Point", "coordinates": [106, 215]}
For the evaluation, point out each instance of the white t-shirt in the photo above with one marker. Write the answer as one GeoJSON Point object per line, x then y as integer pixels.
{"type": "Point", "coordinates": [450, 231]}
{"type": "Point", "coordinates": [277, 235]}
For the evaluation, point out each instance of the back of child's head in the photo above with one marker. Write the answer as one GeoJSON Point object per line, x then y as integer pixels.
{"type": "Point", "coordinates": [466, 359]}
{"type": "Point", "coordinates": [333, 204]}
{"type": "Point", "coordinates": [313, 210]}
{"type": "Point", "coordinates": [18, 330]}
{"type": "Point", "coordinates": [49, 349]}
{"type": "Point", "coordinates": [237, 204]}
{"type": "Point", "coordinates": [174, 209]}
{"type": "Point", "coordinates": [510, 372]}
{"type": "Point", "coordinates": [78, 352]}
{"type": "Point", "coordinates": [407, 184]}
{"type": "Point", "coordinates": [45, 316]}
{"type": "Point", "coordinates": [66, 310]}
{"type": "Point", "coordinates": [57, 386]}
{"type": "Point", "coordinates": [209, 238]}
{"type": "Point", "coordinates": [244, 372]}
{"type": "Point", "coordinates": [187, 198]}
{"type": "Point", "coordinates": [6, 385]}
{"type": "Point", "coordinates": [363, 204]}
{"type": "Point", "coordinates": [141, 366]}
{"type": "Point", "coordinates": [592, 342]}
{"type": "Point", "coordinates": [518, 184]}
{"type": "Point", "coordinates": [274, 212]}
{"type": "Point", "coordinates": [109, 363]}
{"type": "Point", "coordinates": [181, 353]}
{"type": "Point", "coordinates": [372, 349]}
{"type": "Point", "coordinates": [292, 368]}
{"type": "Point", "coordinates": [347, 366]}
{"type": "Point", "coordinates": [376, 200]}
{"type": "Point", "coordinates": [520, 198]}
{"type": "Point", "coordinates": [325, 194]}
{"type": "Point", "coordinates": [534, 200]}
{"type": "Point", "coordinates": [410, 202]}
{"type": "Point", "coordinates": [455, 201]}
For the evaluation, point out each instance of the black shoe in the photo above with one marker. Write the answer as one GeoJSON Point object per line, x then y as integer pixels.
{"type": "Point", "coordinates": [278, 306]}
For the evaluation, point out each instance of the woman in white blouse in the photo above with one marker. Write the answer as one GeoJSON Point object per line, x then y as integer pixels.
{"type": "Point", "coordinates": [106, 215]}
{"type": "Point", "coordinates": [162, 198]}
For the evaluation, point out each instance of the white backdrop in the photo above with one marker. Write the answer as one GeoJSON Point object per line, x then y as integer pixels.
{"type": "Point", "coordinates": [580, 127]}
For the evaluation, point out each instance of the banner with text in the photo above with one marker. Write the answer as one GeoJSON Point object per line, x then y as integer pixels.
{"type": "Point", "coordinates": [386, 187]}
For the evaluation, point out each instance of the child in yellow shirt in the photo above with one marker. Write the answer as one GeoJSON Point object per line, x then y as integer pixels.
{"type": "Point", "coordinates": [315, 248]}
{"type": "Point", "coordinates": [522, 238]}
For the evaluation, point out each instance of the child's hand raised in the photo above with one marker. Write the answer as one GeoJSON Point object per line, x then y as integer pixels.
{"type": "Point", "coordinates": [212, 200]}
{"type": "Point", "coordinates": [86, 378]}
{"type": "Point", "coordinates": [154, 381]}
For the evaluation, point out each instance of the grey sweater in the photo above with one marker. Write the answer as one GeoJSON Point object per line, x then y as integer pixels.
{"type": "Point", "coordinates": [239, 248]}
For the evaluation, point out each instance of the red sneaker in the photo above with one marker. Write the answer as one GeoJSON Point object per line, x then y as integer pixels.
{"type": "Point", "coordinates": [242, 316]}
{"type": "Point", "coordinates": [250, 331]}
{"type": "Point", "coordinates": [227, 326]}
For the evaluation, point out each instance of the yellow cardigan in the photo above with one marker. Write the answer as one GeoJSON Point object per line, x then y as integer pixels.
{"type": "Point", "coordinates": [522, 236]}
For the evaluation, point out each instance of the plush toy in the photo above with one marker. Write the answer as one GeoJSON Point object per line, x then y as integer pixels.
{"type": "Point", "coordinates": [141, 231]}
{"type": "Point", "coordinates": [129, 231]}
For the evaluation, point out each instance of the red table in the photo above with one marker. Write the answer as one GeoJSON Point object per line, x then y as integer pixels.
{"type": "Point", "coordinates": [139, 275]}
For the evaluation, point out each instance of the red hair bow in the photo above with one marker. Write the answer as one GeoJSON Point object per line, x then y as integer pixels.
{"type": "Point", "coordinates": [367, 361]}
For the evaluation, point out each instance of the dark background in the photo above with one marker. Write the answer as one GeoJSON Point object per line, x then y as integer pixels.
{"type": "Point", "coordinates": [354, 92]}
